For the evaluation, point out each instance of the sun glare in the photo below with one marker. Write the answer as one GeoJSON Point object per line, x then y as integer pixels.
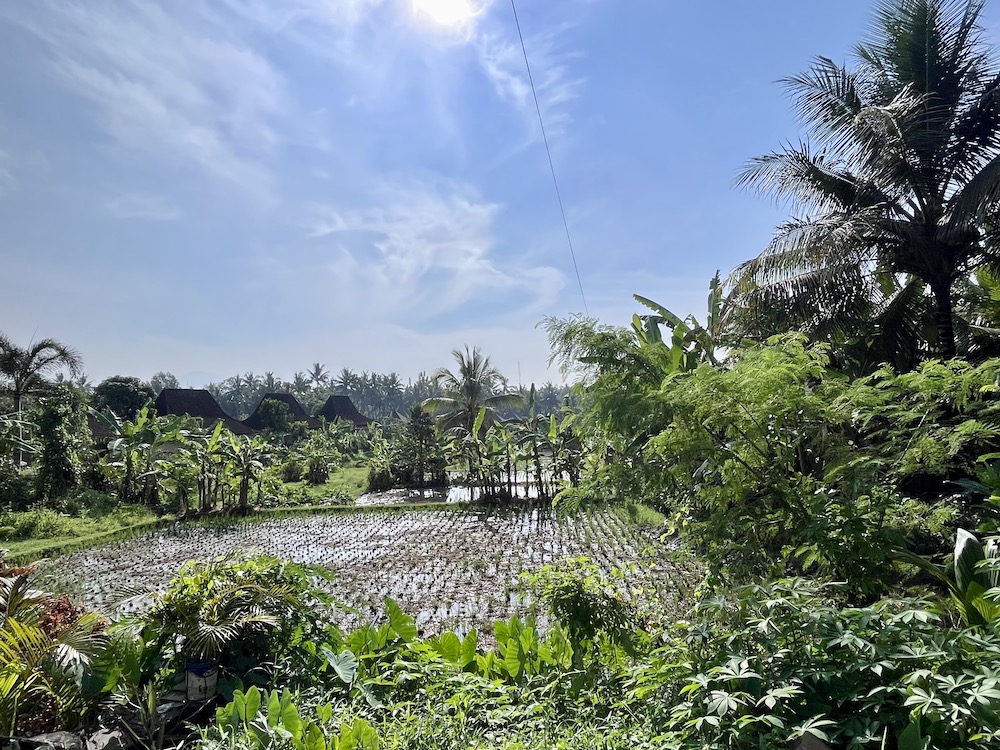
{"type": "Point", "coordinates": [446, 12]}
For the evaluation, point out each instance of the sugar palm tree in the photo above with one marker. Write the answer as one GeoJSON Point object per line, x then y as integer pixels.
{"type": "Point", "coordinates": [897, 184]}
{"type": "Point", "coordinates": [26, 367]}
{"type": "Point", "coordinates": [476, 385]}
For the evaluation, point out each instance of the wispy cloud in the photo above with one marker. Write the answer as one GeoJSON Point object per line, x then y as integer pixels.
{"type": "Point", "coordinates": [143, 206]}
{"type": "Point", "coordinates": [502, 59]}
{"type": "Point", "coordinates": [430, 249]}
{"type": "Point", "coordinates": [179, 89]}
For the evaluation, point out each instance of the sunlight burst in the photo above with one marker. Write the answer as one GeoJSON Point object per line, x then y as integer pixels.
{"type": "Point", "coordinates": [446, 12]}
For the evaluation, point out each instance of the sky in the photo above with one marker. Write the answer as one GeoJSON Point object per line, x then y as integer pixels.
{"type": "Point", "coordinates": [211, 188]}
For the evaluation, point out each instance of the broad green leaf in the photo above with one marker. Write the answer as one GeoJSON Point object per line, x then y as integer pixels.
{"type": "Point", "coordinates": [252, 700]}
{"type": "Point", "coordinates": [314, 738]}
{"type": "Point", "coordinates": [450, 647]}
{"type": "Point", "coordinates": [365, 734]}
{"type": "Point", "coordinates": [345, 664]}
{"type": "Point", "coordinates": [968, 552]}
{"type": "Point", "coordinates": [469, 646]}
{"type": "Point", "coordinates": [239, 707]}
{"type": "Point", "coordinates": [402, 624]}
{"type": "Point", "coordinates": [273, 709]}
{"type": "Point", "coordinates": [513, 660]}
{"type": "Point", "coordinates": [290, 715]}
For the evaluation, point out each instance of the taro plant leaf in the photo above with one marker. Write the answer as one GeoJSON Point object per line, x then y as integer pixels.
{"type": "Point", "coordinates": [402, 624]}
{"type": "Point", "coordinates": [469, 646]}
{"type": "Point", "coordinates": [365, 734]}
{"type": "Point", "coordinates": [253, 700]}
{"type": "Point", "coordinates": [968, 552]}
{"type": "Point", "coordinates": [238, 709]}
{"type": "Point", "coordinates": [514, 658]}
{"type": "Point", "coordinates": [273, 709]}
{"type": "Point", "coordinates": [314, 739]}
{"type": "Point", "coordinates": [290, 720]}
{"type": "Point", "coordinates": [345, 664]}
{"type": "Point", "coordinates": [450, 647]}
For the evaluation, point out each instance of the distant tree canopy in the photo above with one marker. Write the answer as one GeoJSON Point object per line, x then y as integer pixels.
{"type": "Point", "coordinates": [123, 394]}
{"type": "Point", "coordinates": [275, 415]}
{"type": "Point", "coordinates": [161, 380]}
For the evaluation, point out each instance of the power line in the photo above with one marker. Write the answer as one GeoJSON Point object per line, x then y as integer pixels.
{"type": "Point", "coordinates": [548, 152]}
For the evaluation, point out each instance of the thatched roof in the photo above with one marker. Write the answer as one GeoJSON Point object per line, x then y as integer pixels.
{"type": "Point", "coordinates": [298, 413]}
{"type": "Point", "coordinates": [99, 431]}
{"type": "Point", "coordinates": [197, 402]}
{"type": "Point", "coordinates": [341, 407]}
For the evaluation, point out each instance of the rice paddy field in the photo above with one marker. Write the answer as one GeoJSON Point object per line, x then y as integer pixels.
{"type": "Point", "coordinates": [450, 567]}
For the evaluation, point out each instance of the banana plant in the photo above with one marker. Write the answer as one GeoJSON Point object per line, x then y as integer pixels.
{"type": "Point", "coordinates": [690, 343]}
{"type": "Point", "coordinates": [974, 585]}
{"type": "Point", "coordinates": [246, 455]}
{"type": "Point", "coordinates": [141, 450]}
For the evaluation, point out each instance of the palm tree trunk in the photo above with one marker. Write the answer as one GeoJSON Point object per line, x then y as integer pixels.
{"type": "Point", "coordinates": [944, 317]}
{"type": "Point", "coordinates": [19, 453]}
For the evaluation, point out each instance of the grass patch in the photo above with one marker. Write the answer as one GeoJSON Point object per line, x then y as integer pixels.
{"type": "Point", "coordinates": [44, 524]}
{"type": "Point", "coordinates": [642, 515]}
{"type": "Point", "coordinates": [347, 482]}
{"type": "Point", "coordinates": [31, 550]}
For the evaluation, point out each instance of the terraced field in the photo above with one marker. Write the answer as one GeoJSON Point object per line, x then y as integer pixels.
{"type": "Point", "coordinates": [450, 567]}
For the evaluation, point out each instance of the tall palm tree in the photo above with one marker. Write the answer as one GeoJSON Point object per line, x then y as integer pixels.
{"type": "Point", "coordinates": [475, 386]}
{"type": "Point", "coordinates": [318, 375]}
{"type": "Point", "coordinates": [897, 183]}
{"type": "Point", "coordinates": [26, 368]}
{"type": "Point", "coordinates": [301, 383]}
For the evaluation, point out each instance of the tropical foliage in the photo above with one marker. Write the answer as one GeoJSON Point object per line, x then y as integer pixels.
{"type": "Point", "coordinates": [896, 187]}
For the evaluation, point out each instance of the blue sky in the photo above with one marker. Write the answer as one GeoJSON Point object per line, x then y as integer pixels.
{"type": "Point", "coordinates": [231, 185]}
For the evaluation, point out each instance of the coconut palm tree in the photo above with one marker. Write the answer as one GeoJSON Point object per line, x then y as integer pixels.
{"type": "Point", "coordinates": [897, 184]}
{"type": "Point", "coordinates": [318, 375]}
{"type": "Point", "coordinates": [476, 385]}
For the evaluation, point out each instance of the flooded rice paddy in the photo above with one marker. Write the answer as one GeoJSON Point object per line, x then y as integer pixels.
{"type": "Point", "coordinates": [451, 568]}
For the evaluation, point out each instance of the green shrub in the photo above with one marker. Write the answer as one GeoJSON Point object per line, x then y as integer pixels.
{"type": "Point", "coordinates": [16, 490]}
{"type": "Point", "coordinates": [584, 603]}
{"type": "Point", "coordinates": [36, 524]}
{"type": "Point", "coordinates": [292, 470]}
{"type": "Point", "coordinates": [244, 615]}
{"type": "Point", "coordinates": [766, 664]}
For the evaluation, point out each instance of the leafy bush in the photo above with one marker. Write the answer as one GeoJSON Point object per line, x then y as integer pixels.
{"type": "Point", "coordinates": [36, 524]}
{"type": "Point", "coordinates": [243, 615]}
{"type": "Point", "coordinates": [766, 664]}
{"type": "Point", "coordinates": [583, 603]}
{"type": "Point", "coordinates": [16, 491]}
